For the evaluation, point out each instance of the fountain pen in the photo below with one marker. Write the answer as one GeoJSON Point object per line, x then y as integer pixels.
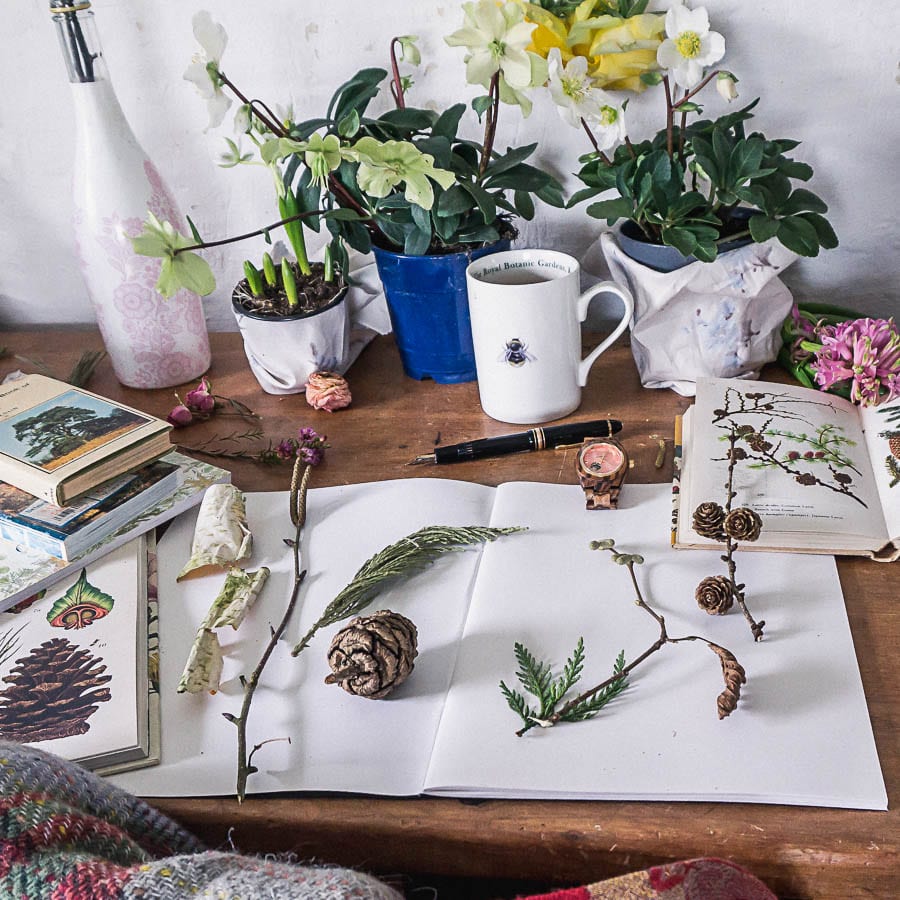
{"type": "Point", "coordinates": [523, 442]}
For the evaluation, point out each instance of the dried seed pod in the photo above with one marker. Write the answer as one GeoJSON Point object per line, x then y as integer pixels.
{"type": "Point", "coordinates": [743, 524]}
{"type": "Point", "coordinates": [715, 595]}
{"type": "Point", "coordinates": [734, 675]}
{"type": "Point", "coordinates": [373, 654]}
{"type": "Point", "coordinates": [708, 519]}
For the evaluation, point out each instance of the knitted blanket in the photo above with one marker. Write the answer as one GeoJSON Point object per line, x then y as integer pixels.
{"type": "Point", "coordinates": [66, 834]}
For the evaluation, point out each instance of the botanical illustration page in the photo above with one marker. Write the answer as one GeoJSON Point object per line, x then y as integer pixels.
{"type": "Point", "coordinates": [70, 661]}
{"type": "Point", "coordinates": [802, 461]}
{"type": "Point", "coordinates": [882, 430]}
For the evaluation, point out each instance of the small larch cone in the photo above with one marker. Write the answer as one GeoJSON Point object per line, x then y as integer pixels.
{"type": "Point", "coordinates": [715, 595]}
{"type": "Point", "coordinates": [372, 655]}
{"type": "Point", "coordinates": [734, 675]}
{"type": "Point", "coordinates": [743, 524]}
{"type": "Point", "coordinates": [708, 519]}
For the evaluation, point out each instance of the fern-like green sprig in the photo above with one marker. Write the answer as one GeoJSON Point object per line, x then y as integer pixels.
{"type": "Point", "coordinates": [536, 677]}
{"type": "Point", "coordinates": [407, 556]}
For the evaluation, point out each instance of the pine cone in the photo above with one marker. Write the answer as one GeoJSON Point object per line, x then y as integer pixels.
{"type": "Point", "coordinates": [373, 654]}
{"type": "Point", "coordinates": [734, 675]}
{"type": "Point", "coordinates": [715, 595]}
{"type": "Point", "coordinates": [743, 524]}
{"type": "Point", "coordinates": [708, 519]}
{"type": "Point", "coordinates": [52, 693]}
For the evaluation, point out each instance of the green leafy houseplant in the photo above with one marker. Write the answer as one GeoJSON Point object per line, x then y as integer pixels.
{"type": "Point", "coordinates": [405, 179]}
{"type": "Point", "coordinates": [693, 185]}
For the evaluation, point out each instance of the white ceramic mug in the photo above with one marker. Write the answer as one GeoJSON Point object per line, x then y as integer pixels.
{"type": "Point", "coordinates": [527, 308]}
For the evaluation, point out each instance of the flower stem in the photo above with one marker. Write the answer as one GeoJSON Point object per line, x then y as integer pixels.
{"type": "Point", "coordinates": [259, 109]}
{"type": "Point", "coordinates": [490, 124]}
{"type": "Point", "coordinates": [396, 82]}
{"type": "Point", "coordinates": [670, 116]}
{"type": "Point", "coordinates": [243, 237]}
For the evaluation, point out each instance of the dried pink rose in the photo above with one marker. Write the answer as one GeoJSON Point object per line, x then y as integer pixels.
{"type": "Point", "coordinates": [200, 399]}
{"type": "Point", "coordinates": [328, 391]}
{"type": "Point", "coordinates": [865, 352]}
{"type": "Point", "coordinates": [180, 416]}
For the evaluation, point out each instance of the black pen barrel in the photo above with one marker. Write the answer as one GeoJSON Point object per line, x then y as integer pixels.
{"type": "Point", "coordinates": [493, 446]}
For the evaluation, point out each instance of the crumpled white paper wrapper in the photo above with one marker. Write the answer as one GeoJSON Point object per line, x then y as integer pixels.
{"type": "Point", "coordinates": [221, 535]}
{"type": "Point", "coordinates": [720, 319]}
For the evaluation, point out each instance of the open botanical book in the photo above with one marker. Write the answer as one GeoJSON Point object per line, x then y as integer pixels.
{"type": "Point", "coordinates": [823, 474]}
{"type": "Point", "coordinates": [74, 665]}
{"type": "Point", "coordinates": [448, 730]}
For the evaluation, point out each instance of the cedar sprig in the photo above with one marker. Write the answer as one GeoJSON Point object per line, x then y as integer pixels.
{"type": "Point", "coordinates": [406, 557]}
{"type": "Point", "coordinates": [536, 677]}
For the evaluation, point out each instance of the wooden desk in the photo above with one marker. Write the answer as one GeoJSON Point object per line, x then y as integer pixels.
{"type": "Point", "coordinates": [799, 852]}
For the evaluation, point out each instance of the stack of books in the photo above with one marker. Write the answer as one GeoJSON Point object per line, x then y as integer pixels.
{"type": "Point", "coordinates": [83, 483]}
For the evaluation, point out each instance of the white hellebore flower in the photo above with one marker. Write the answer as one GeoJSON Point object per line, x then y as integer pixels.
{"type": "Point", "coordinates": [203, 72]}
{"type": "Point", "coordinates": [726, 85]}
{"type": "Point", "coordinates": [572, 90]}
{"type": "Point", "coordinates": [609, 126]}
{"type": "Point", "coordinates": [496, 37]}
{"type": "Point", "coordinates": [689, 45]}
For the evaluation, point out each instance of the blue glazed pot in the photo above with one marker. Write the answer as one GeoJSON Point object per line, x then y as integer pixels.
{"type": "Point", "coordinates": [663, 258]}
{"type": "Point", "coordinates": [429, 308]}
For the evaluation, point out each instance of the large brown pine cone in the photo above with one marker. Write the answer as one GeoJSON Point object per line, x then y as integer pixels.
{"type": "Point", "coordinates": [708, 519]}
{"type": "Point", "coordinates": [715, 595]}
{"type": "Point", "coordinates": [373, 654]}
{"type": "Point", "coordinates": [743, 524]}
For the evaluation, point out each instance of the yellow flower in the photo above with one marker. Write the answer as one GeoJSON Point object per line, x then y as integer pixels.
{"type": "Point", "coordinates": [618, 51]}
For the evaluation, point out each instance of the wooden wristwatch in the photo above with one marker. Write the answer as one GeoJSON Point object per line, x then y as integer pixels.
{"type": "Point", "coordinates": [601, 465]}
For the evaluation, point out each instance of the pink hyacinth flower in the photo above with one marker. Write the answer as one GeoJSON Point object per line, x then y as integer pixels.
{"type": "Point", "coordinates": [865, 352]}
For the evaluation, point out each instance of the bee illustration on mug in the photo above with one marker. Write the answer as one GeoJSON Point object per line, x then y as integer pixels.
{"type": "Point", "coordinates": [515, 353]}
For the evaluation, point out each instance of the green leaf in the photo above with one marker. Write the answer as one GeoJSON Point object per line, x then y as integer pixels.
{"type": "Point", "coordinates": [803, 200]}
{"type": "Point", "coordinates": [551, 194]}
{"type": "Point", "coordinates": [682, 239]}
{"type": "Point", "coordinates": [194, 233]}
{"type": "Point", "coordinates": [416, 242]}
{"type": "Point", "coordinates": [824, 232]}
{"type": "Point", "coordinates": [534, 676]}
{"type": "Point", "coordinates": [611, 210]}
{"type": "Point", "coordinates": [521, 177]}
{"type": "Point", "coordinates": [798, 235]}
{"type": "Point", "coordinates": [408, 120]}
{"type": "Point", "coordinates": [355, 93]}
{"type": "Point", "coordinates": [454, 200]}
{"type": "Point", "coordinates": [797, 170]}
{"type": "Point", "coordinates": [485, 201]}
{"type": "Point", "coordinates": [762, 228]}
{"type": "Point", "coordinates": [510, 159]}
{"type": "Point", "coordinates": [581, 196]}
{"type": "Point", "coordinates": [349, 125]}
{"type": "Point", "coordinates": [342, 214]}
{"type": "Point", "coordinates": [481, 105]}
{"type": "Point", "coordinates": [481, 234]}
{"type": "Point", "coordinates": [524, 205]}
{"type": "Point", "coordinates": [447, 123]}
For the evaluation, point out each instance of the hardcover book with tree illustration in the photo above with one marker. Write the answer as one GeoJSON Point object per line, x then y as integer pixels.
{"type": "Point", "coordinates": [822, 473]}
{"type": "Point", "coordinates": [58, 441]}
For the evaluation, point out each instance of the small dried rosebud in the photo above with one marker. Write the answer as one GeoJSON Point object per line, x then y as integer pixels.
{"type": "Point", "coordinates": [328, 391]}
{"type": "Point", "coordinates": [805, 478]}
{"type": "Point", "coordinates": [743, 524]}
{"type": "Point", "coordinates": [708, 519]}
{"type": "Point", "coordinates": [200, 399]}
{"type": "Point", "coordinates": [180, 416]}
{"type": "Point", "coordinates": [715, 595]}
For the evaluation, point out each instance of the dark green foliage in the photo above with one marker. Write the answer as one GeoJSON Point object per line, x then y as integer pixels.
{"type": "Point", "coordinates": [687, 200]}
{"type": "Point", "coordinates": [536, 678]}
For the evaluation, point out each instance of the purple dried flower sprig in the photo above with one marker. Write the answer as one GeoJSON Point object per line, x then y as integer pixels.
{"type": "Point", "coordinates": [201, 403]}
{"type": "Point", "coordinates": [308, 446]}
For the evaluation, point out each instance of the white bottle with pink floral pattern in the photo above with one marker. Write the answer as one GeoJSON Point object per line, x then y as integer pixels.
{"type": "Point", "coordinates": [152, 341]}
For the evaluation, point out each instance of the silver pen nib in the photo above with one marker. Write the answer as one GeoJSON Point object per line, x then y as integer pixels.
{"type": "Point", "coordinates": [423, 460]}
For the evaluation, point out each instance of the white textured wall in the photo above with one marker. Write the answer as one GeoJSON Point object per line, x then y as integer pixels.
{"type": "Point", "coordinates": [827, 72]}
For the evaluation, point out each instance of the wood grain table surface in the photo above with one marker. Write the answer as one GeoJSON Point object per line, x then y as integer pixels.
{"type": "Point", "coordinates": [798, 851]}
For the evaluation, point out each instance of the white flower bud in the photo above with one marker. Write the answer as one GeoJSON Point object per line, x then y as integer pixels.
{"type": "Point", "coordinates": [726, 86]}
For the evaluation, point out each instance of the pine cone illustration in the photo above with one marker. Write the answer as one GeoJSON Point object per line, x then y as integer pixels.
{"type": "Point", "coordinates": [708, 519]}
{"type": "Point", "coordinates": [734, 675]}
{"type": "Point", "coordinates": [52, 693]}
{"type": "Point", "coordinates": [372, 655]}
{"type": "Point", "coordinates": [742, 524]}
{"type": "Point", "coordinates": [715, 595]}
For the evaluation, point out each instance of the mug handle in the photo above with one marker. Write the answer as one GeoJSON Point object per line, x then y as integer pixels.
{"type": "Point", "coordinates": [605, 287]}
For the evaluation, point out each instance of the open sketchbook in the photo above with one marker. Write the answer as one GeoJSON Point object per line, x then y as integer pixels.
{"type": "Point", "coordinates": [74, 665]}
{"type": "Point", "coordinates": [447, 730]}
{"type": "Point", "coordinates": [823, 474]}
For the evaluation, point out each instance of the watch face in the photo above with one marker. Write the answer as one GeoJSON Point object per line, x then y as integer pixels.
{"type": "Point", "coordinates": [601, 459]}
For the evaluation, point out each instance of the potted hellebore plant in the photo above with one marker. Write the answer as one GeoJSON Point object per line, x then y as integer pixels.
{"type": "Point", "coordinates": [404, 184]}
{"type": "Point", "coordinates": [696, 189]}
